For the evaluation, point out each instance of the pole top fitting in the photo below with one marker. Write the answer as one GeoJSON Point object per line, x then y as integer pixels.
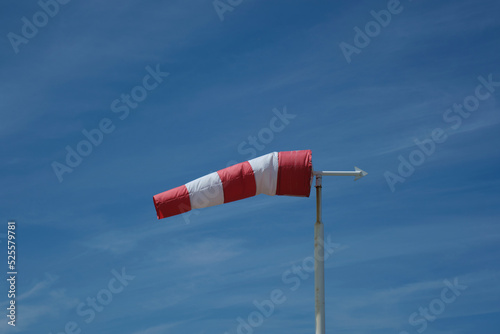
{"type": "Point", "coordinates": [319, 179]}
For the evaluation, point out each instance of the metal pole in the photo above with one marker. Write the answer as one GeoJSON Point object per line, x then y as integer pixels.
{"type": "Point", "coordinates": [319, 262]}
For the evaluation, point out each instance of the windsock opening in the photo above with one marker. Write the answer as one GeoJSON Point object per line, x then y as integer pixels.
{"type": "Point", "coordinates": [295, 173]}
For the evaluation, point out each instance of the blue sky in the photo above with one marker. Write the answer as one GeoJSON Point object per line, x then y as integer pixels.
{"type": "Point", "coordinates": [395, 243]}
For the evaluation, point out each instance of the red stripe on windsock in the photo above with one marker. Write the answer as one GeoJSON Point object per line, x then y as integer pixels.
{"type": "Point", "coordinates": [172, 202]}
{"type": "Point", "coordinates": [238, 182]}
{"type": "Point", "coordinates": [294, 173]}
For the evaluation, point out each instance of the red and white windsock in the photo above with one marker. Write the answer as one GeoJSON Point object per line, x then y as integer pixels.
{"type": "Point", "coordinates": [278, 173]}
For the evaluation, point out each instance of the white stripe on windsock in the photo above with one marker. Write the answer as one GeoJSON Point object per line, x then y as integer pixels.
{"type": "Point", "coordinates": [206, 191]}
{"type": "Point", "coordinates": [265, 169]}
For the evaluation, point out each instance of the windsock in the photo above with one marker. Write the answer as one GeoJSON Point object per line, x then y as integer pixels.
{"type": "Point", "coordinates": [278, 173]}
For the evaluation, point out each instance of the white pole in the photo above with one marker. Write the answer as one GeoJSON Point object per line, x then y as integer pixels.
{"type": "Point", "coordinates": [319, 262]}
{"type": "Point", "coordinates": [319, 245]}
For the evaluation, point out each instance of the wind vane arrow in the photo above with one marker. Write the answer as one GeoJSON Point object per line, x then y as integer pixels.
{"type": "Point", "coordinates": [358, 173]}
